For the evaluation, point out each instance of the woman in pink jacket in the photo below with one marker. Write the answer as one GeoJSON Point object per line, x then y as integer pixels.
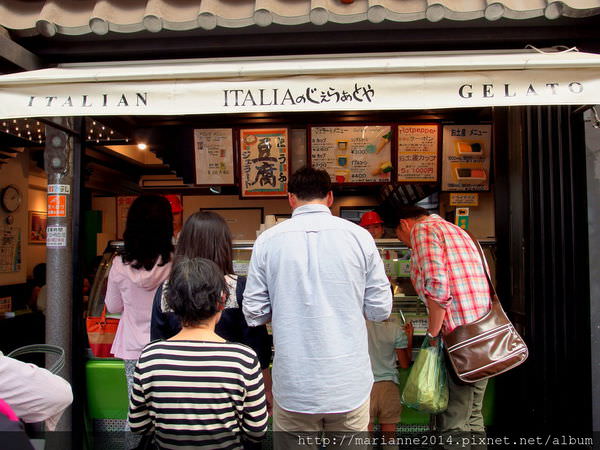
{"type": "Point", "coordinates": [136, 274]}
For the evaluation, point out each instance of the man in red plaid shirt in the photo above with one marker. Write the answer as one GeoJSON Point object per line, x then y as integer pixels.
{"type": "Point", "coordinates": [447, 273]}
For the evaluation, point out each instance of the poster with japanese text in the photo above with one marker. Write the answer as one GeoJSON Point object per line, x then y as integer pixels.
{"type": "Point", "coordinates": [264, 165]}
{"type": "Point", "coordinates": [10, 249]}
{"type": "Point", "coordinates": [358, 154]}
{"type": "Point", "coordinates": [214, 156]}
{"type": "Point", "coordinates": [418, 153]}
{"type": "Point", "coordinates": [466, 157]}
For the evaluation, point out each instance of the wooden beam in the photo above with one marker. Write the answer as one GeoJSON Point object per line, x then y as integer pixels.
{"type": "Point", "coordinates": [13, 53]}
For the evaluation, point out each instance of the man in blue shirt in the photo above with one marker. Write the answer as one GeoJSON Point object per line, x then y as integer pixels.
{"type": "Point", "coordinates": [316, 277]}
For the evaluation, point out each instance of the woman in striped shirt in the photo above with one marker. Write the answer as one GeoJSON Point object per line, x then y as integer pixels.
{"type": "Point", "coordinates": [195, 389]}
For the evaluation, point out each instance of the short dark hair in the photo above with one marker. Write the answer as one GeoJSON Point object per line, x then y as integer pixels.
{"type": "Point", "coordinates": [410, 212]}
{"type": "Point", "coordinates": [148, 232]}
{"type": "Point", "coordinates": [205, 234]}
{"type": "Point", "coordinates": [39, 274]}
{"type": "Point", "coordinates": [309, 184]}
{"type": "Point", "coordinates": [195, 289]}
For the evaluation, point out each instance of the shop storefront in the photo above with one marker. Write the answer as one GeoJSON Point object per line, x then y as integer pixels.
{"type": "Point", "coordinates": [535, 188]}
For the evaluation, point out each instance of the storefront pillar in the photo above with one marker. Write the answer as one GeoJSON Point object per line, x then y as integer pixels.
{"type": "Point", "coordinates": [62, 149]}
{"type": "Point", "coordinates": [592, 144]}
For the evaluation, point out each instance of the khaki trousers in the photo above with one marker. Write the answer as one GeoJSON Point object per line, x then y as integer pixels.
{"type": "Point", "coordinates": [461, 425]}
{"type": "Point", "coordinates": [292, 430]}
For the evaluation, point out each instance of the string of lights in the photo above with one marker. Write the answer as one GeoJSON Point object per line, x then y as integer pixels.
{"type": "Point", "coordinates": [33, 130]}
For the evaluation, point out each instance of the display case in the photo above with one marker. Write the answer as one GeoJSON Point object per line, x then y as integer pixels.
{"type": "Point", "coordinates": [407, 306]}
{"type": "Point", "coordinates": [396, 259]}
{"type": "Point", "coordinates": [98, 290]}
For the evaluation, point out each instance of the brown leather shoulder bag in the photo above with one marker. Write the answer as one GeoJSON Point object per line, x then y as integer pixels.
{"type": "Point", "coordinates": [487, 347]}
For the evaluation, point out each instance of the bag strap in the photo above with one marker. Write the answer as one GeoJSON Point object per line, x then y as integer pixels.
{"type": "Point", "coordinates": [43, 348]}
{"type": "Point", "coordinates": [483, 263]}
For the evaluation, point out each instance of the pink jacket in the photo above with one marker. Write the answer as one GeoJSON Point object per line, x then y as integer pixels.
{"type": "Point", "coordinates": [130, 292]}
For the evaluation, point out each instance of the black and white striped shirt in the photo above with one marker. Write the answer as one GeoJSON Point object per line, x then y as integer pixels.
{"type": "Point", "coordinates": [198, 394]}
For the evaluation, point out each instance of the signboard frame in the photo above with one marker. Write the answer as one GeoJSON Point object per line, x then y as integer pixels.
{"type": "Point", "coordinates": [232, 161]}
{"type": "Point", "coordinates": [250, 219]}
{"type": "Point", "coordinates": [247, 194]}
{"type": "Point", "coordinates": [392, 143]}
{"type": "Point", "coordinates": [438, 164]}
{"type": "Point", "coordinates": [475, 162]}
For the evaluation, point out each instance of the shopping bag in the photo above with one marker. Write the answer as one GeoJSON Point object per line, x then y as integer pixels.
{"type": "Point", "coordinates": [101, 333]}
{"type": "Point", "coordinates": [426, 388]}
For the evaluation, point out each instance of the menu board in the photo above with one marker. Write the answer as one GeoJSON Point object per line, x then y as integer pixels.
{"type": "Point", "coordinates": [214, 156]}
{"type": "Point", "coordinates": [466, 157]}
{"type": "Point", "coordinates": [418, 153]}
{"type": "Point", "coordinates": [359, 154]}
{"type": "Point", "coordinates": [10, 249]}
{"type": "Point", "coordinates": [264, 166]}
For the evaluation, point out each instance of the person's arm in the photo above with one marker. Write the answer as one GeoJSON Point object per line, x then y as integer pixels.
{"type": "Point", "coordinates": [436, 316]}
{"type": "Point", "coordinates": [34, 394]}
{"type": "Point", "coordinates": [268, 380]}
{"type": "Point", "coordinates": [378, 294]}
{"type": "Point", "coordinates": [113, 299]}
{"type": "Point", "coordinates": [430, 252]}
{"type": "Point", "coordinates": [257, 338]}
{"type": "Point", "coordinates": [404, 346]}
{"type": "Point", "coordinates": [255, 417]}
{"type": "Point", "coordinates": [139, 416]}
{"type": "Point", "coordinates": [256, 305]}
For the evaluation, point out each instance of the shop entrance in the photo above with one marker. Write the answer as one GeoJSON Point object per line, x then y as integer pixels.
{"type": "Point", "coordinates": [516, 207]}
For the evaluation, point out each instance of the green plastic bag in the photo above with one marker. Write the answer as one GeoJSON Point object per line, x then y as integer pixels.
{"type": "Point", "coordinates": [426, 388]}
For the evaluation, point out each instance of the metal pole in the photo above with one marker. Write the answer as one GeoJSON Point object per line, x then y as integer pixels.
{"type": "Point", "coordinates": [59, 167]}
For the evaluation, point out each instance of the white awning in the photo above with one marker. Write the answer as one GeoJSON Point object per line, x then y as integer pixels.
{"type": "Point", "coordinates": [305, 83]}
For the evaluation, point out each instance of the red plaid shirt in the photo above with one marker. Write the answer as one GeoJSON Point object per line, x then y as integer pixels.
{"type": "Point", "coordinates": [446, 268]}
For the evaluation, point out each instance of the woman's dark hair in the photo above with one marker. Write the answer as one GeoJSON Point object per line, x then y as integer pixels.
{"type": "Point", "coordinates": [206, 235]}
{"type": "Point", "coordinates": [309, 184]}
{"type": "Point", "coordinates": [195, 290]}
{"type": "Point", "coordinates": [148, 232]}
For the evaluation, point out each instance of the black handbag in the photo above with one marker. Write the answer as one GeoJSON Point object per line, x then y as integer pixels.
{"type": "Point", "coordinates": [488, 346]}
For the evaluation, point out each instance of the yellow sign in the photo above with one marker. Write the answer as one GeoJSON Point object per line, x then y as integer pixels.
{"type": "Point", "coordinates": [464, 199]}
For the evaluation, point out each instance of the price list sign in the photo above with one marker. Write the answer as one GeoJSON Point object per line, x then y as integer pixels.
{"type": "Point", "coordinates": [466, 157]}
{"type": "Point", "coordinates": [360, 154]}
{"type": "Point", "coordinates": [264, 167]}
{"type": "Point", "coordinates": [418, 153]}
{"type": "Point", "coordinates": [214, 156]}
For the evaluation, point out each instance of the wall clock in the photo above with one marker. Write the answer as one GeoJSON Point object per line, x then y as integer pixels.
{"type": "Point", "coordinates": [11, 198]}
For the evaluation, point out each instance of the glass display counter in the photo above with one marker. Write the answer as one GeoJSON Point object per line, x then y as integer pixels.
{"type": "Point", "coordinates": [407, 306]}
{"type": "Point", "coordinates": [98, 290]}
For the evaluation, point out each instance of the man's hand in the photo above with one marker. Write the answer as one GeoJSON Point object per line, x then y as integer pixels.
{"type": "Point", "coordinates": [433, 339]}
{"type": "Point", "coordinates": [268, 389]}
{"type": "Point", "coordinates": [269, 395]}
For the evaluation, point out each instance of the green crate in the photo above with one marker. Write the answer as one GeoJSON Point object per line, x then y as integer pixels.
{"type": "Point", "coordinates": [106, 389]}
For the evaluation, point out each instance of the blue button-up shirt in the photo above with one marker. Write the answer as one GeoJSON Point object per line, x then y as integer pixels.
{"type": "Point", "coordinates": [317, 277]}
